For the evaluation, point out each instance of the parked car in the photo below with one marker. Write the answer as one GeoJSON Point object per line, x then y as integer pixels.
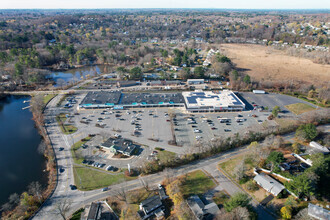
{"type": "Point", "coordinates": [61, 149]}
{"type": "Point", "coordinates": [73, 187]}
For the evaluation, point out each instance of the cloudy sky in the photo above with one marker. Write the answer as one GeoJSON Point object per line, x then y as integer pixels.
{"type": "Point", "coordinates": [234, 4]}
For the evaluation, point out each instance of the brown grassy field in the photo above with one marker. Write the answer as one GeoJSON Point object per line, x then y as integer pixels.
{"type": "Point", "coordinates": [267, 64]}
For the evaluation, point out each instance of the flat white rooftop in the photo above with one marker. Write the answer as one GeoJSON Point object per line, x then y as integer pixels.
{"type": "Point", "coordinates": [223, 100]}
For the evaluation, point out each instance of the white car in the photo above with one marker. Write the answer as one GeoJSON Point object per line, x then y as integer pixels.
{"type": "Point", "coordinates": [197, 131]}
{"type": "Point", "coordinates": [198, 137]}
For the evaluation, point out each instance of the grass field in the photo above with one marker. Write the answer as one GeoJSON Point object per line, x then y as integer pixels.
{"type": "Point", "coordinates": [48, 97]}
{"type": "Point", "coordinates": [75, 147]}
{"type": "Point", "coordinates": [65, 128]}
{"type": "Point", "coordinates": [165, 156]}
{"type": "Point", "coordinates": [284, 122]}
{"type": "Point", "coordinates": [90, 179]}
{"type": "Point", "coordinates": [299, 108]}
{"type": "Point", "coordinates": [267, 64]}
{"type": "Point", "coordinates": [197, 182]}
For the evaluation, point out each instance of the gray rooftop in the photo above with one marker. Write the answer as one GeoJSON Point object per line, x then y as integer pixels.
{"type": "Point", "coordinates": [151, 98]}
{"type": "Point", "coordinates": [102, 97]}
{"type": "Point", "coordinates": [318, 212]}
{"type": "Point", "coordinates": [269, 184]}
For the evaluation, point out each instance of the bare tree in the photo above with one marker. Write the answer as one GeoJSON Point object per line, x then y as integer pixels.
{"type": "Point", "coordinates": [13, 200]}
{"type": "Point", "coordinates": [121, 194]}
{"type": "Point", "coordinates": [35, 189]}
{"type": "Point", "coordinates": [62, 208]}
{"type": "Point", "coordinates": [240, 170]}
{"type": "Point", "coordinates": [145, 183]}
{"type": "Point", "coordinates": [42, 147]}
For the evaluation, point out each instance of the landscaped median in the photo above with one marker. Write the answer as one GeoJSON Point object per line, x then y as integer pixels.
{"type": "Point", "coordinates": [65, 128]}
{"type": "Point", "coordinates": [76, 146]}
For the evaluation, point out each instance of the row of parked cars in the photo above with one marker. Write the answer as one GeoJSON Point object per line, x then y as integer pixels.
{"type": "Point", "coordinates": [93, 163]}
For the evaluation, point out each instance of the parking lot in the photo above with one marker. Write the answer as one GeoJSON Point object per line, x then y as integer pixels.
{"type": "Point", "coordinates": [153, 127]}
{"type": "Point", "coordinates": [190, 129]}
{"type": "Point", "coordinates": [271, 100]}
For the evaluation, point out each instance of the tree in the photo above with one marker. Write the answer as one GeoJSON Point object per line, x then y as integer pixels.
{"type": "Point", "coordinates": [307, 132]}
{"type": "Point", "coordinates": [35, 189]}
{"type": "Point", "coordinates": [300, 185]}
{"type": "Point", "coordinates": [135, 73]}
{"type": "Point", "coordinates": [18, 69]}
{"type": "Point", "coordinates": [275, 158]}
{"type": "Point", "coordinates": [62, 208]}
{"type": "Point", "coordinates": [239, 199]}
{"type": "Point", "coordinates": [291, 201]}
{"type": "Point", "coordinates": [240, 170]}
{"type": "Point", "coordinates": [247, 79]}
{"type": "Point", "coordinates": [199, 72]}
{"type": "Point", "coordinates": [296, 147]}
{"type": "Point", "coordinates": [286, 212]}
{"type": "Point", "coordinates": [121, 194]}
{"type": "Point", "coordinates": [276, 110]}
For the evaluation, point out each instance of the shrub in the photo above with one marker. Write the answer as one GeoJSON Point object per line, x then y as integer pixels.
{"type": "Point", "coordinates": [239, 199]}
{"type": "Point", "coordinates": [252, 186]}
{"type": "Point", "coordinates": [286, 212]}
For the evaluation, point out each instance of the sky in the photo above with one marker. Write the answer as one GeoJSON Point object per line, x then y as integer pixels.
{"type": "Point", "coordinates": [228, 4]}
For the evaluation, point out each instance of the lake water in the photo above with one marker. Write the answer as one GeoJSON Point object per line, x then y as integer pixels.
{"type": "Point", "coordinates": [74, 75]}
{"type": "Point", "coordinates": [20, 162]}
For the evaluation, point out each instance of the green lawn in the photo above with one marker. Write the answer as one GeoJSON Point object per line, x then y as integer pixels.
{"type": "Point", "coordinates": [65, 128]}
{"type": "Point", "coordinates": [48, 97]}
{"type": "Point", "coordinates": [197, 182]}
{"type": "Point", "coordinates": [76, 146]}
{"type": "Point", "coordinates": [62, 100]}
{"type": "Point", "coordinates": [165, 156]}
{"type": "Point", "coordinates": [90, 179]}
{"type": "Point", "coordinates": [299, 108]}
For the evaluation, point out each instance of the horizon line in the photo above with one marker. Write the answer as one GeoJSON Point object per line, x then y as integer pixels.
{"type": "Point", "coordinates": [165, 8]}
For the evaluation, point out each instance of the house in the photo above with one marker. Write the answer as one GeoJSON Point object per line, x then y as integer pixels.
{"type": "Point", "coordinates": [269, 184]}
{"type": "Point", "coordinates": [318, 212]}
{"type": "Point", "coordinates": [318, 147]}
{"type": "Point", "coordinates": [153, 206]}
{"type": "Point", "coordinates": [120, 145]}
{"type": "Point", "coordinates": [202, 210]}
{"type": "Point", "coordinates": [98, 211]}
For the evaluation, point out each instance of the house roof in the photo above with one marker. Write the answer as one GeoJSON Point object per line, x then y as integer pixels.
{"type": "Point", "coordinates": [200, 209]}
{"type": "Point", "coordinates": [269, 184]}
{"type": "Point", "coordinates": [120, 144]}
{"type": "Point", "coordinates": [151, 203]}
{"type": "Point", "coordinates": [318, 212]}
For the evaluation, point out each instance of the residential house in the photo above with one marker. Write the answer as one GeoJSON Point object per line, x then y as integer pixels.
{"type": "Point", "coordinates": [153, 206]}
{"type": "Point", "coordinates": [318, 212]}
{"type": "Point", "coordinates": [202, 210]}
{"type": "Point", "coordinates": [269, 184]}
{"type": "Point", "coordinates": [318, 147]}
